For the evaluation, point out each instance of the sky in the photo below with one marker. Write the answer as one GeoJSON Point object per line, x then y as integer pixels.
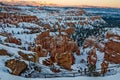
{"type": "Point", "coordinates": [104, 3]}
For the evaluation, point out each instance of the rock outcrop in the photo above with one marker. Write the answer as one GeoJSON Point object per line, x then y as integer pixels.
{"type": "Point", "coordinates": [60, 48]}
{"type": "Point", "coordinates": [104, 67]}
{"type": "Point", "coordinates": [40, 51]}
{"type": "Point", "coordinates": [92, 57]}
{"type": "Point", "coordinates": [15, 19]}
{"type": "Point", "coordinates": [13, 40]}
{"type": "Point", "coordinates": [29, 57]}
{"type": "Point", "coordinates": [16, 66]}
{"type": "Point", "coordinates": [48, 62]}
{"type": "Point", "coordinates": [65, 60]}
{"type": "Point", "coordinates": [4, 53]}
{"type": "Point", "coordinates": [93, 41]}
{"type": "Point", "coordinates": [112, 47]}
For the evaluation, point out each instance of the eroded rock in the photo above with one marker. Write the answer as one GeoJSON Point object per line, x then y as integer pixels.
{"type": "Point", "coordinates": [16, 66]}
{"type": "Point", "coordinates": [13, 40]}
{"type": "Point", "coordinates": [92, 57]}
{"type": "Point", "coordinates": [112, 46]}
{"type": "Point", "coordinates": [29, 57]}
{"type": "Point", "coordinates": [3, 52]}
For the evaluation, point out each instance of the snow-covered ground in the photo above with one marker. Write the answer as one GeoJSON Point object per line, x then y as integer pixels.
{"type": "Point", "coordinates": [7, 76]}
{"type": "Point", "coordinates": [22, 32]}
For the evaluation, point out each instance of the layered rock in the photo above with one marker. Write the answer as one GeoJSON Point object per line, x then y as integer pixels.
{"type": "Point", "coordinates": [15, 19]}
{"type": "Point", "coordinates": [112, 46]}
{"type": "Point", "coordinates": [112, 34]}
{"type": "Point", "coordinates": [90, 41]}
{"type": "Point", "coordinates": [65, 60]}
{"type": "Point", "coordinates": [13, 40]}
{"type": "Point", "coordinates": [48, 62]}
{"type": "Point", "coordinates": [93, 41]}
{"type": "Point", "coordinates": [29, 57]}
{"type": "Point", "coordinates": [40, 51]}
{"type": "Point", "coordinates": [70, 30]}
{"type": "Point", "coordinates": [92, 57]}
{"type": "Point", "coordinates": [104, 67]}
{"type": "Point", "coordinates": [58, 45]}
{"type": "Point", "coordinates": [16, 66]}
{"type": "Point", "coordinates": [93, 18]}
{"type": "Point", "coordinates": [76, 12]}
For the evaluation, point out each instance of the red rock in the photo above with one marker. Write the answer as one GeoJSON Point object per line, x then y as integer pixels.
{"type": "Point", "coordinates": [100, 46]}
{"type": "Point", "coordinates": [58, 45]}
{"type": "Point", "coordinates": [95, 17]}
{"type": "Point", "coordinates": [112, 47]}
{"type": "Point", "coordinates": [43, 34]}
{"type": "Point", "coordinates": [16, 66]}
{"type": "Point", "coordinates": [72, 47]}
{"type": "Point", "coordinates": [92, 57]}
{"type": "Point", "coordinates": [40, 52]}
{"type": "Point", "coordinates": [70, 24]}
{"type": "Point", "coordinates": [89, 42]}
{"type": "Point", "coordinates": [48, 62]}
{"type": "Point", "coordinates": [104, 67]}
{"type": "Point", "coordinates": [3, 52]}
{"type": "Point", "coordinates": [15, 19]}
{"type": "Point", "coordinates": [93, 41]}
{"type": "Point", "coordinates": [65, 60]}
{"type": "Point", "coordinates": [5, 34]}
{"type": "Point", "coordinates": [112, 35]}
{"type": "Point", "coordinates": [80, 12]}
{"type": "Point", "coordinates": [83, 23]}
{"type": "Point", "coordinates": [29, 57]}
{"type": "Point", "coordinates": [70, 30]}
{"type": "Point", "coordinates": [46, 26]}
{"type": "Point", "coordinates": [13, 40]}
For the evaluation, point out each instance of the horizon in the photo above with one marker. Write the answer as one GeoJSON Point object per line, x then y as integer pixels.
{"type": "Point", "coordinates": [65, 3]}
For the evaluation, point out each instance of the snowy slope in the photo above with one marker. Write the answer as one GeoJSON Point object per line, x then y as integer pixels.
{"type": "Point", "coordinates": [6, 76]}
{"type": "Point", "coordinates": [51, 18]}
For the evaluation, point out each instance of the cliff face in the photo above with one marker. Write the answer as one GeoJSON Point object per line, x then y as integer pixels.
{"type": "Point", "coordinates": [29, 57]}
{"type": "Point", "coordinates": [65, 60]}
{"type": "Point", "coordinates": [15, 19]}
{"type": "Point", "coordinates": [108, 46]}
{"type": "Point", "coordinates": [16, 66]}
{"type": "Point", "coordinates": [60, 48]}
{"type": "Point", "coordinates": [92, 57]}
{"type": "Point", "coordinates": [112, 46]}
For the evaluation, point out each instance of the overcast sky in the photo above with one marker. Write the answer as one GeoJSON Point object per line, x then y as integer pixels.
{"type": "Point", "coordinates": [107, 3]}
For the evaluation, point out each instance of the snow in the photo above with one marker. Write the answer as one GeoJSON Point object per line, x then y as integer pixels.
{"type": "Point", "coordinates": [2, 38]}
{"type": "Point", "coordinates": [100, 57]}
{"type": "Point", "coordinates": [14, 30]}
{"type": "Point", "coordinates": [26, 39]}
{"type": "Point", "coordinates": [115, 40]}
{"type": "Point", "coordinates": [45, 17]}
{"type": "Point", "coordinates": [13, 51]}
{"type": "Point", "coordinates": [28, 25]}
{"type": "Point", "coordinates": [6, 76]}
{"type": "Point", "coordinates": [115, 31]}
